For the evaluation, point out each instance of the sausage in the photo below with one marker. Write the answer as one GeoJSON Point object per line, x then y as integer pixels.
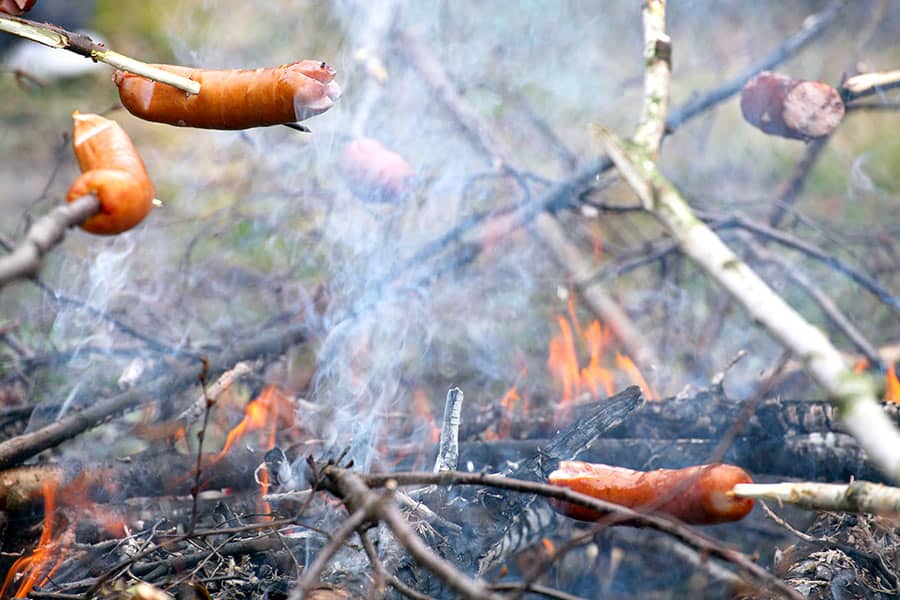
{"type": "Point", "coordinates": [374, 172]}
{"type": "Point", "coordinates": [16, 7]}
{"type": "Point", "coordinates": [112, 169]}
{"type": "Point", "coordinates": [234, 99]}
{"type": "Point", "coordinates": [697, 495]}
{"type": "Point", "coordinates": [791, 108]}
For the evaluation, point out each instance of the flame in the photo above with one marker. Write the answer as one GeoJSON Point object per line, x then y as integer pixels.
{"type": "Point", "coordinates": [264, 506]}
{"type": "Point", "coordinates": [563, 361]}
{"type": "Point", "coordinates": [261, 414]}
{"type": "Point", "coordinates": [594, 376]}
{"type": "Point", "coordinates": [48, 552]}
{"type": "Point", "coordinates": [627, 365]}
{"type": "Point", "coordinates": [422, 410]}
{"type": "Point", "coordinates": [549, 548]}
{"type": "Point", "coordinates": [892, 386]}
{"type": "Point", "coordinates": [860, 365]}
{"type": "Point", "coordinates": [596, 340]}
{"type": "Point", "coordinates": [508, 403]}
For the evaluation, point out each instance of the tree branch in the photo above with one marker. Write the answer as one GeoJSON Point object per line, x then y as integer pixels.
{"type": "Point", "coordinates": [45, 233]}
{"type": "Point", "coordinates": [57, 37]}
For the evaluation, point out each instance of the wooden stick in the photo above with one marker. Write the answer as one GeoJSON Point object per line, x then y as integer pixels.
{"type": "Point", "coordinates": [852, 395]}
{"type": "Point", "coordinates": [857, 497]}
{"type": "Point", "coordinates": [45, 233]}
{"type": "Point", "coordinates": [57, 37]}
{"type": "Point", "coordinates": [18, 449]}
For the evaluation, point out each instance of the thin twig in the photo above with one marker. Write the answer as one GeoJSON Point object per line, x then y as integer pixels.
{"type": "Point", "coordinates": [45, 233]}
{"type": "Point", "coordinates": [869, 84]}
{"type": "Point", "coordinates": [20, 448]}
{"type": "Point", "coordinates": [828, 306]}
{"type": "Point", "coordinates": [390, 578]}
{"type": "Point", "coordinates": [660, 523]}
{"type": "Point", "coordinates": [81, 44]}
{"type": "Point", "coordinates": [353, 489]}
{"type": "Point", "coordinates": [311, 574]}
{"type": "Point", "coordinates": [548, 229]}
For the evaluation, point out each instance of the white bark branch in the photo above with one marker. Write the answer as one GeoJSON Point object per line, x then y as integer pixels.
{"type": "Point", "coordinates": [857, 497]}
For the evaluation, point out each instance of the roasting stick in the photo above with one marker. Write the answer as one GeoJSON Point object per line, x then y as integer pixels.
{"type": "Point", "coordinates": [57, 37]}
{"type": "Point", "coordinates": [853, 395]}
{"type": "Point", "coordinates": [857, 497]}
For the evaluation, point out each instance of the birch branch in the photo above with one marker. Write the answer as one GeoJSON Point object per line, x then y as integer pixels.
{"type": "Point", "coordinates": [869, 84]}
{"type": "Point", "coordinates": [57, 37]}
{"type": "Point", "coordinates": [857, 497]}
{"type": "Point", "coordinates": [48, 231]}
{"type": "Point", "coordinates": [853, 395]}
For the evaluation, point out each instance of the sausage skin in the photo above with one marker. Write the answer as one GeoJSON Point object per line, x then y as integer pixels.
{"type": "Point", "coordinates": [233, 99]}
{"type": "Point", "coordinates": [112, 169]}
{"type": "Point", "coordinates": [696, 495]}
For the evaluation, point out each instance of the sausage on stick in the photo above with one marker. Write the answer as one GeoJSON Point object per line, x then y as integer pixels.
{"type": "Point", "coordinates": [112, 169]}
{"type": "Point", "coordinates": [699, 495]}
{"type": "Point", "coordinates": [233, 99]}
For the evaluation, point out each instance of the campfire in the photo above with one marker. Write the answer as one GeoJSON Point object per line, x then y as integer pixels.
{"type": "Point", "coordinates": [401, 300]}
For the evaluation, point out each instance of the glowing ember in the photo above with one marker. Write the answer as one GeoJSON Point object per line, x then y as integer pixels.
{"type": "Point", "coordinates": [892, 386]}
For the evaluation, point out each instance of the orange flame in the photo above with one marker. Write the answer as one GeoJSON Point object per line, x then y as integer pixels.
{"type": "Point", "coordinates": [594, 376]}
{"type": "Point", "coordinates": [627, 365]}
{"type": "Point", "coordinates": [892, 386]}
{"type": "Point", "coordinates": [264, 506]}
{"type": "Point", "coordinates": [861, 365]}
{"type": "Point", "coordinates": [261, 414]}
{"type": "Point", "coordinates": [563, 361]}
{"type": "Point", "coordinates": [596, 340]}
{"type": "Point", "coordinates": [508, 402]}
{"type": "Point", "coordinates": [422, 410]}
{"type": "Point", "coordinates": [48, 551]}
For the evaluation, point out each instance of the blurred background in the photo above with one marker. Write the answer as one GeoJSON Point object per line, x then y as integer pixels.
{"type": "Point", "coordinates": [265, 225]}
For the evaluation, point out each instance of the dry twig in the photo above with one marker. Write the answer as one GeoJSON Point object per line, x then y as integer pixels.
{"type": "Point", "coordinates": [79, 43]}
{"type": "Point", "coordinates": [45, 233]}
{"type": "Point", "coordinates": [18, 449]}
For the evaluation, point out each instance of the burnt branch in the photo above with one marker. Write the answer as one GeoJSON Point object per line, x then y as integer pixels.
{"type": "Point", "coordinates": [18, 449]}
{"type": "Point", "coordinates": [354, 490]}
{"type": "Point", "coordinates": [622, 515]}
{"type": "Point", "coordinates": [45, 233]}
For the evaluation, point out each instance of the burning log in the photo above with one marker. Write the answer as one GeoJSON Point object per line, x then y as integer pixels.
{"type": "Point", "coordinates": [791, 108]}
